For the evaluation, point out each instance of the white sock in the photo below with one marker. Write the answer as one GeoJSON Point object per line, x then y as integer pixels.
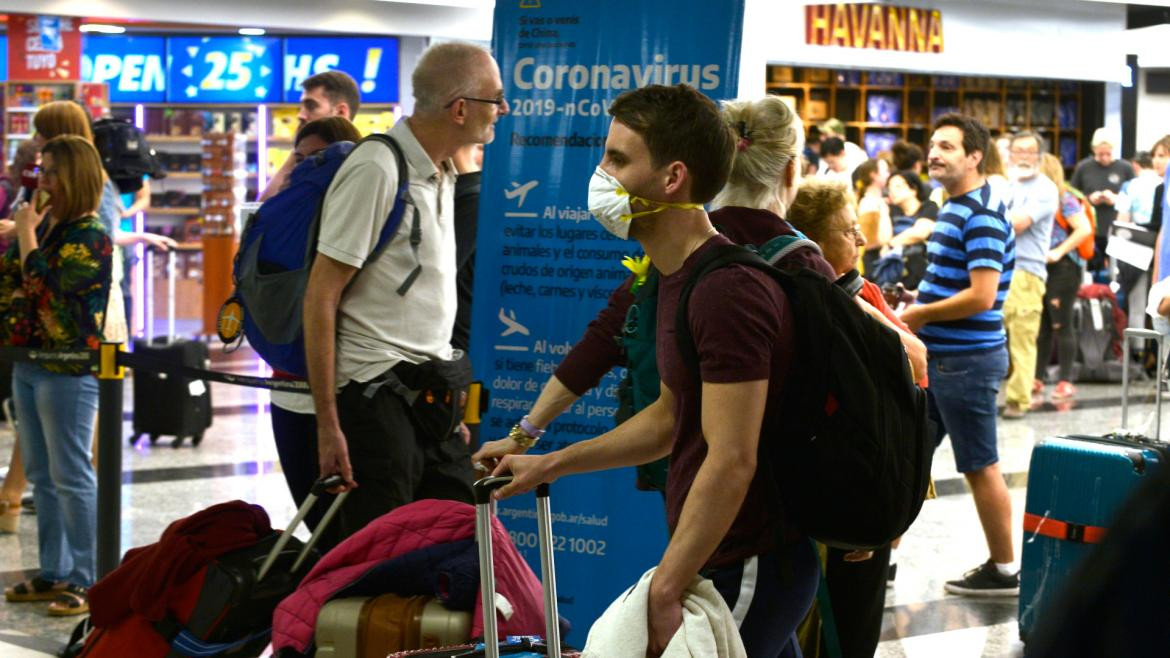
{"type": "Point", "coordinates": [1008, 569]}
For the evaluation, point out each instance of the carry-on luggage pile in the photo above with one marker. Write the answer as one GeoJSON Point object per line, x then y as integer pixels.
{"type": "Point", "coordinates": [492, 645]}
{"type": "Point", "coordinates": [226, 607]}
{"type": "Point", "coordinates": [1076, 484]}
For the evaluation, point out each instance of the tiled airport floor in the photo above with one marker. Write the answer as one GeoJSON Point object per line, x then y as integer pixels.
{"type": "Point", "coordinates": [237, 460]}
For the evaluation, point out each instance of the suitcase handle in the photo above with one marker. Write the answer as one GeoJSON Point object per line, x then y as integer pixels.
{"type": "Point", "coordinates": [1143, 334]}
{"type": "Point", "coordinates": [484, 511]}
{"type": "Point", "coordinates": [319, 487]}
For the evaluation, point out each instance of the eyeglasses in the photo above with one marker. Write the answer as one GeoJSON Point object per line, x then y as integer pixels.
{"type": "Point", "coordinates": [853, 231]}
{"type": "Point", "coordinates": [499, 100]}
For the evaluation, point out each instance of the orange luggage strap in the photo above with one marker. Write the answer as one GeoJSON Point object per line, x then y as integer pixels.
{"type": "Point", "coordinates": [1063, 530]}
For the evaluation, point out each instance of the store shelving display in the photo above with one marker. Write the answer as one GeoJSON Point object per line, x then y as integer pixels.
{"type": "Point", "coordinates": [23, 99]}
{"type": "Point", "coordinates": [880, 107]}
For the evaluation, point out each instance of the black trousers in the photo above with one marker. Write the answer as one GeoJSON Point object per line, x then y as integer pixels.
{"type": "Point", "coordinates": [857, 592]}
{"type": "Point", "coordinates": [393, 463]}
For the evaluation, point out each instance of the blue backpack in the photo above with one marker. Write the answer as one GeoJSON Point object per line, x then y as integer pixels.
{"type": "Point", "coordinates": [279, 243]}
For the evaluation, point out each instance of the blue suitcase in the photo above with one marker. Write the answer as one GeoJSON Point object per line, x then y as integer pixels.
{"type": "Point", "coordinates": [1076, 484]}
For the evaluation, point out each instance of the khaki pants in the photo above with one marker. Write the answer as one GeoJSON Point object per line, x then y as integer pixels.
{"type": "Point", "coordinates": [1021, 318]}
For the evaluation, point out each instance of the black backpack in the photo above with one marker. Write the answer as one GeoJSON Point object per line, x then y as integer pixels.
{"type": "Point", "coordinates": [852, 467]}
{"type": "Point", "coordinates": [126, 155]}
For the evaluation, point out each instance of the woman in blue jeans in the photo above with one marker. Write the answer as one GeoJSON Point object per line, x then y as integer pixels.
{"type": "Point", "coordinates": [54, 287]}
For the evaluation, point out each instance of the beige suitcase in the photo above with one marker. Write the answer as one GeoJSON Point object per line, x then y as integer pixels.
{"type": "Point", "coordinates": [372, 627]}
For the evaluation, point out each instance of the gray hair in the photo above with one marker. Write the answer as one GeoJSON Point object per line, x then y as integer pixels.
{"type": "Point", "coordinates": [445, 72]}
{"type": "Point", "coordinates": [771, 137]}
{"type": "Point", "coordinates": [1041, 144]}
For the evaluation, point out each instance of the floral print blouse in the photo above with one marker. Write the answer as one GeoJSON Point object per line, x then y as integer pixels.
{"type": "Point", "coordinates": [66, 284]}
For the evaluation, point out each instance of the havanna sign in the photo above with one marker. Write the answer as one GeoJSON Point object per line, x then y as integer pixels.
{"type": "Point", "coordinates": [874, 26]}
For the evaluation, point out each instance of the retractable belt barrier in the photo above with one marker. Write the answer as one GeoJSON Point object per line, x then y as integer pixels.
{"type": "Point", "coordinates": [108, 364]}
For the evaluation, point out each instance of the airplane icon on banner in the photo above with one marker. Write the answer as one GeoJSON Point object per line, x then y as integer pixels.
{"type": "Point", "coordinates": [513, 327]}
{"type": "Point", "coordinates": [521, 191]}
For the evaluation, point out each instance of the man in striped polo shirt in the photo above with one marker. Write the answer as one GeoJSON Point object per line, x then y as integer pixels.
{"type": "Point", "coordinates": [959, 316]}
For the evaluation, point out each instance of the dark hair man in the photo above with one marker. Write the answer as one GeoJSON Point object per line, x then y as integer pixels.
{"type": "Point", "coordinates": [970, 257]}
{"type": "Point", "coordinates": [669, 151]}
{"type": "Point", "coordinates": [325, 94]}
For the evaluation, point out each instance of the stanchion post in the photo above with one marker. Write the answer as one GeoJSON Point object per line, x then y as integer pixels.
{"type": "Point", "coordinates": [109, 474]}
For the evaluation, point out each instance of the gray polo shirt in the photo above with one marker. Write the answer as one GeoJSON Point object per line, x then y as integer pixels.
{"type": "Point", "coordinates": [376, 327]}
{"type": "Point", "coordinates": [1036, 197]}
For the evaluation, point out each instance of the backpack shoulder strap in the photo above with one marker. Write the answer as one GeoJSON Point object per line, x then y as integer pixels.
{"type": "Point", "coordinates": [402, 199]}
{"type": "Point", "coordinates": [717, 258]}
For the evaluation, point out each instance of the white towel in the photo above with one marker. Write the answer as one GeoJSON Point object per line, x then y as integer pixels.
{"type": "Point", "coordinates": [708, 629]}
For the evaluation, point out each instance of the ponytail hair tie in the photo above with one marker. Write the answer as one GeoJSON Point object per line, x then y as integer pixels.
{"type": "Point", "coordinates": [744, 142]}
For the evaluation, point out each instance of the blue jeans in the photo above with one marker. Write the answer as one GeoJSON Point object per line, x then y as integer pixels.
{"type": "Point", "coordinates": [57, 415]}
{"type": "Point", "coordinates": [962, 395]}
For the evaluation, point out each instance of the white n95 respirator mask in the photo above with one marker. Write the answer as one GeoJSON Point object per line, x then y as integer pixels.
{"type": "Point", "coordinates": [609, 203]}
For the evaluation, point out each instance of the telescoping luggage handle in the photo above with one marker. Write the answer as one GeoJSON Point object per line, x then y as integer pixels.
{"type": "Point", "coordinates": [319, 488]}
{"type": "Point", "coordinates": [1159, 339]}
{"type": "Point", "coordinates": [485, 509]}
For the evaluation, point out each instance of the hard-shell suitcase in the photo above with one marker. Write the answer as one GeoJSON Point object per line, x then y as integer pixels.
{"type": "Point", "coordinates": [514, 647]}
{"type": "Point", "coordinates": [373, 626]}
{"type": "Point", "coordinates": [167, 404]}
{"type": "Point", "coordinates": [225, 609]}
{"type": "Point", "coordinates": [1076, 484]}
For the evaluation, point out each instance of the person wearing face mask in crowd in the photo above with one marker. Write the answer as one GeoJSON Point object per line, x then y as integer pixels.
{"type": "Point", "coordinates": [1100, 178]}
{"type": "Point", "coordinates": [668, 151]}
{"type": "Point", "coordinates": [761, 184]}
{"type": "Point", "coordinates": [1032, 206]}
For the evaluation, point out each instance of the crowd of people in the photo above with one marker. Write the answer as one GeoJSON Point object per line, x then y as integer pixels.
{"type": "Point", "coordinates": [973, 258]}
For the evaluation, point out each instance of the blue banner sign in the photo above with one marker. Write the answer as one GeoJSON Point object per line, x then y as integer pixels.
{"type": "Point", "coordinates": [134, 67]}
{"type": "Point", "coordinates": [373, 63]}
{"type": "Point", "coordinates": [545, 267]}
{"type": "Point", "coordinates": [224, 70]}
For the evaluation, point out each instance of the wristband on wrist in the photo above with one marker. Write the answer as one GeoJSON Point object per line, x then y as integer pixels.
{"type": "Point", "coordinates": [532, 430]}
{"type": "Point", "coordinates": [525, 433]}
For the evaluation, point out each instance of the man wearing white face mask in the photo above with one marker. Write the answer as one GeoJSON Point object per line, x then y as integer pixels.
{"type": "Point", "coordinates": [1031, 210]}
{"type": "Point", "coordinates": [668, 151]}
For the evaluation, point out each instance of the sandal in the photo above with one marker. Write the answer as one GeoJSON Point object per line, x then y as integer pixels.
{"type": "Point", "coordinates": [37, 589]}
{"type": "Point", "coordinates": [72, 600]}
{"type": "Point", "coordinates": [9, 517]}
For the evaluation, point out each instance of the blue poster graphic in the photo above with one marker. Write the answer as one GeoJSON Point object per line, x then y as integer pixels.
{"type": "Point", "coordinates": [544, 267]}
{"type": "Point", "coordinates": [224, 70]}
{"type": "Point", "coordinates": [133, 66]}
{"type": "Point", "coordinates": [373, 63]}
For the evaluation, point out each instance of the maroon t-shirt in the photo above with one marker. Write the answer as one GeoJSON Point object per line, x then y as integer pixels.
{"type": "Point", "coordinates": [598, 351]}
{"type": "Point", "coordinates": [742, 332]}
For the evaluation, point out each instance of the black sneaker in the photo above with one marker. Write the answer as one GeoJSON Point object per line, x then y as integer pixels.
{"type": "Point", "coordinates": [891, 574]}
{"type": "Point", "coordinates": [985, 580]}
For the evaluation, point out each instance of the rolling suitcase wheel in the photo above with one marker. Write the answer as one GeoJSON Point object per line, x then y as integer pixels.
{"type": "Point", "coordinates": [197, 439]}
{"type": "Point", "coordinates": [134, 439]}
{"type": "Point", "coordinates": [153, 439]}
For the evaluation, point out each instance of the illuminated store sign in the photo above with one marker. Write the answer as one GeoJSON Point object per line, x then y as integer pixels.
{"type": "Point", "coordinates": [133, 67]}
{"type": "Point", "coordinates": [874, 26]}
{"type": "Point", "coordinates": [224, 70]}
{"type": "Point", "coordinates": [373, 63]}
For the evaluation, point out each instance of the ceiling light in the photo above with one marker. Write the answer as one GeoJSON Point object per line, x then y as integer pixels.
{"type": "Point", "coordinates": [102, 28]}
{"type": "Point", "coordinates": [252, 31]}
